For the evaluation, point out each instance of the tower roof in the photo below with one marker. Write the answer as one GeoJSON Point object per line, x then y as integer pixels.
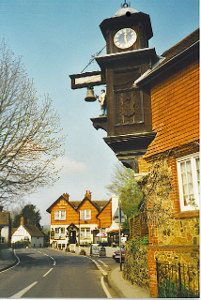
{"type": "Point", "coordinates": [125, 10]}
{"type": "Point", "coordinates": [126, 16]}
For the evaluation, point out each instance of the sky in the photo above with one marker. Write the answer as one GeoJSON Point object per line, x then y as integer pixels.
{"type": "Point", "coordinates": [56, 38]}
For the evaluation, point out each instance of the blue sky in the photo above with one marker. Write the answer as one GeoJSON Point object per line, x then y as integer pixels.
{"type": "Point", "coordinates": [56, 38]}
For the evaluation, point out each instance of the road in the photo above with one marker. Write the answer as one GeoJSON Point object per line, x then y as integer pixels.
{"type": "Point", "coordinates": [45, 273]}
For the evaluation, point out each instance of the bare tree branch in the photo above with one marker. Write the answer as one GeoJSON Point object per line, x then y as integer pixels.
{"type": "Point", "coordinates": [30, 136]}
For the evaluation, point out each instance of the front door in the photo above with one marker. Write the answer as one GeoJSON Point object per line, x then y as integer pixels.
{"type": "Point", "coordinates": [72, 237]}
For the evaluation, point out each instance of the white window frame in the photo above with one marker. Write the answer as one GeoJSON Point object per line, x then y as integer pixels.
{"type": "Point", "coordinates": [85, 232]}
{"type": "Point", "coordinates": [85, 214]}
{"type": "Point", "coordinates": [60, 215]}
{"type": "Point", "coordinates": [59, 232]}
{"type": "Point", "coordinates": [192, 158]}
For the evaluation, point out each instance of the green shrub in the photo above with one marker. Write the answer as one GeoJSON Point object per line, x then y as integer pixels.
{"type": "Point", "coordinates": [21, 244]}
{"type": "Point", "coordinates": [82, 252]}
{"type": "Point", "coordinates": [169, 289]}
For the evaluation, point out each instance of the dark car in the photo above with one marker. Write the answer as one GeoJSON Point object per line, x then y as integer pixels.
{"type": "Point", "coordinates": [116, 255]}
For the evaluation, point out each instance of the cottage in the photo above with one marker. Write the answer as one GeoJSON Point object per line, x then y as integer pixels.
{"type": "Point", "coordinates": [28, 233]}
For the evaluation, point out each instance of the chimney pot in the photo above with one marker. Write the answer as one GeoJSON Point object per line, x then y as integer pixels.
{"type": "Point", "coordinates": [21, 220]}
{"type": "Point", "coordinates": [88, 194]}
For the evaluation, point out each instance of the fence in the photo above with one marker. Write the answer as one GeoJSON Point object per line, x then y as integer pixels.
{"type": "Point", "coordinates": [177, 280]}
{"type": "Point", "coordinates": [138, 226]}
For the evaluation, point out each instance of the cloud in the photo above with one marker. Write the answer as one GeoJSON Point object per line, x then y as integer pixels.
{"type": "Point", "coordinates": [70, 165]}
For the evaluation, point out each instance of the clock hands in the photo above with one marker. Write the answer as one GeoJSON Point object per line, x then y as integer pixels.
{"type": "Point", "coordinates": [125, 37]}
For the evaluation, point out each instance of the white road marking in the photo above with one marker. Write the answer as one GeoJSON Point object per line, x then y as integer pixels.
{"type": "Point", "coordinates": [99, 267]}
{"type": "Point", "coordinates": [102, 262]}
{"type": "Point", "coordinates": [24, 291]}
{"type": "Point", "coordinates": [54, 263]}
{"type": "Point", "coordinates": [107, 293]}
{"type": "Point", "coordinates": [18, 261]}
{"type": "Point", "coordinates": [47, 272]}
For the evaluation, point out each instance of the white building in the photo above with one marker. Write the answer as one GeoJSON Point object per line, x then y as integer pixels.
{"type": "Point", "coordinates": [28, 233]}
{"type": "Point", "coordinates": [4, 227]}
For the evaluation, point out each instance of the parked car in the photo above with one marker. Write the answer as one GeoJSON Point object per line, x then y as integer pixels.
{"type": "Point", "coordinates": [116, 255]}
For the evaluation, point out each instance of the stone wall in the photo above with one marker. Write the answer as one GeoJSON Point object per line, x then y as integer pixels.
{"type": "Point", "coordinates": [172, 239]}
{"type": "Point", "coordinates": [135, 266]}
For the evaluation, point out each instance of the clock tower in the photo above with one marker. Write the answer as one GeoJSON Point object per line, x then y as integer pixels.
{"type": "Point", "coordinates": [128, 122]}
{"type": "Point", "coordinates": [127, 30]}
{"type": "Point", "coordinates": [128, 56]}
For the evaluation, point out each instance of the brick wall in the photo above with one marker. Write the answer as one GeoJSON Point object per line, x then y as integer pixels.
{"type": "Point", "coordinates": [138, 226]}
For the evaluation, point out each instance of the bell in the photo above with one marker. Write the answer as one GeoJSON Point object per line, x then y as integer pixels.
{"type": "Point", "coordinates": [90, 97]}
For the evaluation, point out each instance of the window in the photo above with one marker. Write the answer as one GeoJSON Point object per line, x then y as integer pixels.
{"type": "Point", "coordinates": [188, 168]}
{"type": "Point", "coordinates": [59, 232]}
{"type": "Point", "coordinates": [85, 214]}
{"type": "Point", "coordinates": [56, 230]}
{"type": "Point", "coordinates": [60, 215]}
{"type": "Point", "coordinates": [85, 233]}
{"type": "Point", "coordinates": [62, 230]}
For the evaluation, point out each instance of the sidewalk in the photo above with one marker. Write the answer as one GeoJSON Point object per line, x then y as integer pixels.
{"type": "Point", "coordinates": [7, 258]}
{"type": "Point", "coordinates": [124, 288]}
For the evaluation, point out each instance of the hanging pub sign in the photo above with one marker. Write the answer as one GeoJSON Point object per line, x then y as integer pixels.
{"type": "Point", "coordinates": [86, 79]}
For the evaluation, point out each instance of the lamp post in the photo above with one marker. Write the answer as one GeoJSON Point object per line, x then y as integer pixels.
{"type": "Point", "coordinates": [79, 232]}
{"type": "Point", "coordinates": [120, 256]}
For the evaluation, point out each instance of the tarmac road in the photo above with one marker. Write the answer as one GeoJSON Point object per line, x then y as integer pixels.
{"type": "Point", "coordinates": [44, 273]}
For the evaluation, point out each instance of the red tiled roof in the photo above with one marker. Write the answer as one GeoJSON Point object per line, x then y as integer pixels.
{"type": "Point", "coordinates": [34, 231]}
{"type": "Point", "coordinates": [99, 204]}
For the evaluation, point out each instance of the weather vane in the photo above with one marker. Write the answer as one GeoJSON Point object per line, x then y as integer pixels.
{"type": "Point", "coordinates": [125, 4]}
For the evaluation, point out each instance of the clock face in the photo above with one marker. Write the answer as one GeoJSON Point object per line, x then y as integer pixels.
{"type": "Point", "coordinates": [125, 38]}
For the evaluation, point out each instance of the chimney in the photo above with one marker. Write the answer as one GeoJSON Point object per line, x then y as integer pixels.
{"type": "Point", "coordinates": [21, 220]}
{"type": "Point", "coordinates": [88, 194]}
{"type": "Point", "coordinates": [66, 196]}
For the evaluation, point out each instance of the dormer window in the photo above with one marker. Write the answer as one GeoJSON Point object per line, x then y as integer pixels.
{"type": "Point", "coordinates": [85, 214]}
{"type": "Point", "coordinates": [60, 215]}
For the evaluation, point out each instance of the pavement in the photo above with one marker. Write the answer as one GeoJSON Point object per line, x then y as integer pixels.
{"type": "Point", "coordinates": [7, 259]}
{"type": "Point", "coordinates": [123, 288]}
{"type": "Point", "coordinates": [114, 279]}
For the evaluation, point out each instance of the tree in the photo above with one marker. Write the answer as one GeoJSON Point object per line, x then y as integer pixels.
{"type": "Point", "coordinates": [31, 216]}
{"type": "Point", "coordinates": [127, 189]}
{"type": "Point", "coordinates": [30, 138]}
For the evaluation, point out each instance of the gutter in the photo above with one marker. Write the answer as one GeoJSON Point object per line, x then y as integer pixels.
{"type": "Point", "coordinates": [144, 80]}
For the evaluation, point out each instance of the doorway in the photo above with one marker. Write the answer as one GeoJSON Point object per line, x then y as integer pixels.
{"type": "Point", "coordinates": [72, 237]}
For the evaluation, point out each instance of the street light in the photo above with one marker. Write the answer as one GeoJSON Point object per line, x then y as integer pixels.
{"type": "Point", "coordinates": [120, 256]}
